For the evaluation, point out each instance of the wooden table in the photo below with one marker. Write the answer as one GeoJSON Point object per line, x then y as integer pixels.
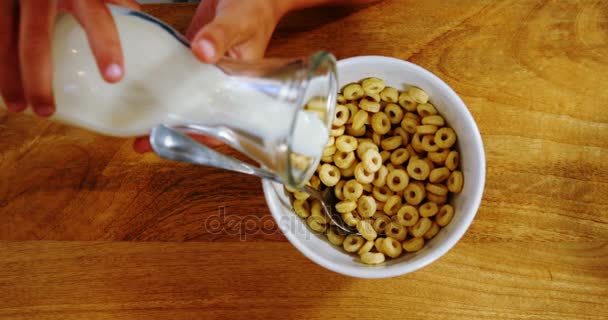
{"type": "Point", "coordinates": [90, 230]}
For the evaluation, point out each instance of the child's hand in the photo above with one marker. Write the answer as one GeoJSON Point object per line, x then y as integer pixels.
{"type": "Point", "coordinates": [26, 30]}
{"type": "Point", "coordinates": [235, 28]}
{"type": "Point", "coordinates": [242, 29]}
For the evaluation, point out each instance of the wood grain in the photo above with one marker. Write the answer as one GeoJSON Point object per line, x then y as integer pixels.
{"type": "Point", "coordinates": [135, 229]}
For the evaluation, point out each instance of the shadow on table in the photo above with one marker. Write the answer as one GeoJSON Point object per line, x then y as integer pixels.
{"type": "Point", "coordinates": [309, 19]}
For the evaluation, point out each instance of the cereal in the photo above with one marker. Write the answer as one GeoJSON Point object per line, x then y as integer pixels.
{"type": "Point", "coordinates": [433, 230]}
{"type": "Point", "coordinates": [392, 247]}
{"type": "Point", "coordinates": [445, 138]}
{"type": "Point", "coordinates": [435, 120]}
{"type": "Point", "coordinates": [418, 169]}
{"type": "Point", "coordinates": [369, 105]}
{"type": "Point", "coordinates": [362, 175]}
{"type": "Point", "coordinates": [374, 96]}
{"type": "Point", "coordinates": [360, 119]}
{"type": "Point", "coordinates": [380, 177]}
{"type": "Point", "coordinates": [343, 159]}
{"type": "Point", "coordinates": [352, 243]}
{"type": "Point", "coordinates": [314, 182]}
{"type": "Point", "coordinates": [329, 175]}
{"type": "Point", "coordinates": [372, 161]}
{"type": "Point", "coordinates": [414, 194]}
{"type": "Point", "coordinates": [350, 171]}
{"type": "Point", "coordinates": [385, 155]}
{"type": "Point", "coordinates": [378, 244]}
{"type": "Point", "coordinates": [329, 151]}
{"type": "Point", "coordinates": [392, 163]}
{"type": "Point", "coordinates": [381, 193]}
{"type": "Point", "coordinates": [399, 156]}
{"type": "Point", "coordinates": [349, 219]}
{"type": "Point", "coordinates": [366, 206]}
{"type": "Point", "coordinates": [337, 131]}
{"type": "Point", "coordinates": [397, 180]}
{"type": "Point", "coordinates": [376, 137]}
{"type": "Point", "coordinates": [302, 208]}
{"type": "Point", "coordinates": [439, 157]}
{"type": "Point", "coordinates": [346, 143]}
{"type": "Point", "coordinates": [356, 132]}
{"type": "Point", "coordinates": [405, 137]}
{"type": "Point", "coordinates": [439, 175]}
{"type": "Point", "coordinates": [421, 227]}
{"type": "Point", "coordinates": [373, 85]}
{"type": "Point", "coordinates": [451, 162]}
{"type": "Point", "coordinates": [392, 205]}
{"type": "Point", "coordinates": [409, 125]}
{"type": "Point", "coordinates": [346, 206]}
{"type": "Point", "coordinates": [317, 223]}
{"type": "Point", "coordinates": [335, 236]}
{"type": "Point", "coordinates": [413, 245]}
{"type": "Point", "coordinates": [436, 198]}
{"type": "Point", "coordinates": [364, 146]}
{"type": "Point", "coordinates": [445, 215]}
{"type": "Point", "coordinates": [300, 195]}
{"type": "Point", "coordinates": [366, 230]}
{"type": "Point", "coordinates": [426, 129]}
{"type": "Point", "coordinates": [366, 247]}
{"type": "Point", "coordinates": [407, 216]}
{"type": "Point", "coordinates": [380, 223]}
{"type": "Point", "coordinates": [394, 113]}
{"type": "Point", "coordinates": [338, 188]}
{"type": "Point", "coordinates": [396, 231]}
{"type": "Point", "coordinates": [437, 189]}
{"type": "Point", "coordinates": [428, 145]}
{"type": "Point", "coordinates": [372, 258]}
{"type": "Point", "coordinates": [455, 182]}
{"type": "Point", "coordinates": [316, 209]}
{"type": "Point", "coordinates": [341, 116]}
{"type": "Point", "coordinates": [418, 95]}
{"type": "Point", "coordinates": [407, 102]}
{"type": "Point", "coordinates": [428, 209]}
{"type": "Point", "coordinates": [352, 109]}
{"type": "Point", "coordinates": [426, 109]}
{"type": "Point", "coordinates": [381, 123]}
{"type": "Point", "coordinates": [390, 95]}
{"type": "Point", "coordinates": [391, 143]}
{"type": "Point", "coordinates": [416, 143]}
{"type": "Point", "coordinates": [352, 190]}
{"type": "Point", "coordinates": [353, 91]}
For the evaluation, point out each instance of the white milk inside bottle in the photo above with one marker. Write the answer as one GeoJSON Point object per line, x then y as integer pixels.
{"type": "Point", "coordinates": [165, 84]}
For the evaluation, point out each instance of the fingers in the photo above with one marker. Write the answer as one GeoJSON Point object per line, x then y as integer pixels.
{"type": "Point", "coordinates": [228, 28]}
{"type": "Point", "coordinates": [131, 4]}
{"type": "Point", "coordinates": [142, 144]}
{"type": "Point", "coordinates": [253, 49]}
{"type": "Point", "coordinates": [203, 15]}
{"type": "Point", "coordinates": [35, 32]}
{"type": "Point", "coordinates": [103, 37]}
{"type": "Point", "coordinates": [10, 73]}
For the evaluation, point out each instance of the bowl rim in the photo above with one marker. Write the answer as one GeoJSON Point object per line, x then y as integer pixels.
{"type": "Point", "coordinates": [442, 248]}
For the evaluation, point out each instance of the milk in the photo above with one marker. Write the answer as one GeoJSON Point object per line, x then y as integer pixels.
{"type": "Point", "coordinates": [164, 83]}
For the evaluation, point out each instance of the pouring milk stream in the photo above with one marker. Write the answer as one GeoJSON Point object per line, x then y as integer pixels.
{"type": "Point", "coordinates": [165, 84]}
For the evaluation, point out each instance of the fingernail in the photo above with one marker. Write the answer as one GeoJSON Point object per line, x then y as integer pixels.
{"type": "Point", "coordinates": [206, 48]}
{"type": "Point", "coordinates": [16, 106]}
{"type": "Point", "coordinates": [114, 72]}
{"type": "Point", "coordinates": [44, 111]}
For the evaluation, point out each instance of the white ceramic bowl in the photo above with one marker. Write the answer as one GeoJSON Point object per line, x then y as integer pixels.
{"type": "Point", "coordinates": [399, 74]}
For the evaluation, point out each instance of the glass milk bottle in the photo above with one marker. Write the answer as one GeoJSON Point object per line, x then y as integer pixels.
{"type": "Point", "coordinates": [257, 108]}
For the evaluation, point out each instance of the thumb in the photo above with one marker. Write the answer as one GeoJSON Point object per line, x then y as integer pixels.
{"type": "Point", "coordinates": [213, 41]}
